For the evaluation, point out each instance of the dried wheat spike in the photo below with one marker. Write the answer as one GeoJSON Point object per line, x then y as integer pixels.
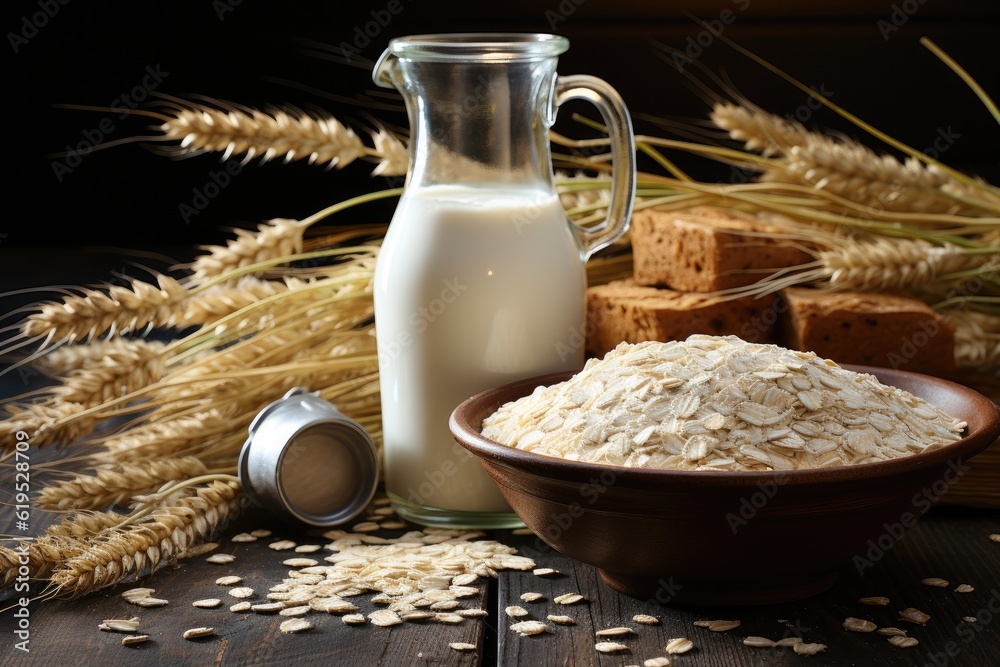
{"type": "Point", "coordinates": [99, 353]}
{"type": "Point", "coordinates": [758, 129]}
{"type": "Point", "coordinates": [116, 483]}
{"type": "Point", "coordinates": [120, 310]}
{"type": "Point", "coordinates": [166, 436]}
{"type": "Point", "coordinates": [60, 542]}
{"type": "Point", "coordinates": [277, 238]}
{"type": "Point", "coordinates": [162, 537]}
{"type": "Point", "coordinates": [289, 133]}
{"type": "Point", "coordinates": [882, 263]}
{"type": "Point", "coordinates": [222, 300]}
{"type": "Point", "coordinates": [45, 423]}
{"type": "Point", "coordinates": [846, 168]}
{"type": "Point", "coordinates": [977, 339]}
{"type": "Point", "coordinates": [112, 377]}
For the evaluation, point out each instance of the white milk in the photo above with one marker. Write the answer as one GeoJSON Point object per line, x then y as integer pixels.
{"type": "Point", "coordinates": [475, 287]}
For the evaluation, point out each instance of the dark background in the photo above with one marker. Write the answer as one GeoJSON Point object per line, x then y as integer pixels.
{"type": "Point", "coordinates": [255, 53]}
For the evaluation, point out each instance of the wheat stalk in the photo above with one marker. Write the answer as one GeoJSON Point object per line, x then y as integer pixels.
{"type": "Point", "coordinates": [289, 133]}
{"type": "Point", "coordinates": [880, 263]}
{"type": "Point", "coordinates": [162, 536]}
{"type": "Point", "coordinates": [132, 368]}
{"type": "Point", "coordinates": [759, 130]}
{"type": "Point", "coordinates": [219, 301]}
{"type": "Point", "coordinates": [276, 238]}
{"type": "Point", "coordinates": [45, 424]}
{"type": "Point", "coordinates": [116, 483]}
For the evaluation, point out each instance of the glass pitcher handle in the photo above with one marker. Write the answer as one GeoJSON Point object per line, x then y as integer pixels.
{"type": "Point", "coordinates": [615, 114]}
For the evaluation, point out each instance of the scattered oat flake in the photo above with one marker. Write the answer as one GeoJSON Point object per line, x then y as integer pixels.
{"type": "Point", "coordinates": [384, 618]}
{"type": "Point", "coordinates": [877, 601]}
{"type": "Point", "coordinates": [382, 501]}
{"type": "Point", "coordinates": [610, 647]}
{"type": "Point", "coordinates": [353, 619]}
{"type": "Point", "coordinates": [561, 620]}
{"type": "Point", "coordinates": [243, 537]}
{"type": "Point", "coordinates": [461, 646]}
{"type": "Point", "coordinates": [568, 598]}
{"type": "Point", "coordinates": [300, 562]}
{"type": "Point", "coordinates": [759, 642]}
{"type": "Point", "coordinates": [393, 525]}
{"type": "Point", "coordinates": [448, 617]}
{"type": "Point", "coordinates": [903, 642]}
{"type": "Point", "coordinates": [969, 619]}
{"type": "Point", "coordinates": [679, 645]}
{"type": "Point", "coordinates": [995, 537]}
{"type": "Point", "coordinates": [134, 593]}
{"type": "Point", "coordinates": [131, 640]}
{"type": "Point", "coordinates": [240, 607]}
{"type": "Point", "coordinates": [615, 632]}
{"type": "Point", "coordinates": [268, 607]}
{"type": "Point", "coordinates": [150, 602]}
{"type": "Point", "coordinates": [803, 648]}
{"type": "Point", "coordinates": [935, 581]}
{"type": "Point", "coordinates": [294, 625]}
{"type": "Point", "coordinates": [120, 625]}
{"type": "Point", "coordinates": [282, 545]}
{"type": "Point", "coordinates": [195, 633]}
{"type": "Point", "coordinates": [207, 603]}
{"type": "Point", "coordinates": [788, 641]}
{"type": "Point", "coordinates": [914, 616]}
{"type": "Point", "coordinates": [661, 661]}
{"type": "Point", "coordinates": [241, 592]}
{"type": "Point", "coordinates": [295, 611]}
{"type": "Point", "coordinates": [514, 611]}
{"type": "Point", "coordinates": [413, 616]}
{"type": "Point", "coordinates": [964, 588]}
{"type": "Point", "coordinates": [446, 605]}
{"type": "Point", "coordinates": [464, 591]}
{"type": "Point", "coordinates": [545, 572]}
{"type": "Point", "coordinates": [858, 625]}
{"type": "Point", "coordinates": [528, 628]}
{"type": "Point", "coordinates": [531, 597]}
{"type": "Point", "coordinates": [463, 579]}
{"type": "Point", "coordinates": [307, 548]}
{"type": "Point", "coordinates": [646, 619]}
{"type": "Point", "coordinates": [473, 613]}
{"type": "Point", "coordinates": [365, 527]}
{"type": "Point", "coordinates": [891, 632]}
{"type": "Point", "coordinates": [228, 580]}
{"type": "Point", "coordinates": [522, 531]}
{"type": "Point", "coordinates": [261, 532]}
{"type": "Point", "coordinates": [718, 626]}
{"type": "Point", "coordinates": [220, 559]}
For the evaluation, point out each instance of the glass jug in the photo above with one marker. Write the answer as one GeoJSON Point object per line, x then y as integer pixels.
{"type": "Point", "coordinates": [481, 279]}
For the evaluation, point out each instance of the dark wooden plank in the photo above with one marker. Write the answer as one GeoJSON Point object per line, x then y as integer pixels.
{"type": "Point", "coordinates": [949, 543]}
{"type": "Point", "coordinates": [65, 632]}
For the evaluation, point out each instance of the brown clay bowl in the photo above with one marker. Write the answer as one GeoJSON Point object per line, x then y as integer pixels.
{"type": "Point", "coordinates": [694, 537]}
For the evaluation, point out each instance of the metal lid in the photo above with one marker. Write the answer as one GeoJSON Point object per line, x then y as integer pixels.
{"type": "Point", "coordinates": [305, 460]}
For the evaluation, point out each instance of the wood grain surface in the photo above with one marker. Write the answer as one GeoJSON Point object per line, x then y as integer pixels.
{"type": "Point", "coordinates": [950, 543]}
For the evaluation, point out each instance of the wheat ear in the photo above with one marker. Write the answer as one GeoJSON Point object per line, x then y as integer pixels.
{"type": "Point", "coordinates": [887, 264]}
{"type": "Point", "coordinates": [45, 423]}
{"type": "Point", "coordinates": [162, 536]}
{"type": "Point", "coordinates": [60, 542]}
{"type": "Point", "coordinates": [100, 353]}
{"type": "Point", "coordinates": [759, 130]}
{"type": "Point", "coordinates": [977, 339]}
{"type": "Point", "coordinates": [289, 134]}
{"type": "Point", "coordinates": [113, 377]}
{"type": "Point", "coordinates": [117, 483]}
{"type": "Point", "coordinates": [119, 310]}
{"type": "Point", "coordinates": [276, 238]}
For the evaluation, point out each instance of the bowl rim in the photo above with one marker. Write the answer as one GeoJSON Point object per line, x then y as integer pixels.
{"type": "Point", "coordinates": [469, 436]}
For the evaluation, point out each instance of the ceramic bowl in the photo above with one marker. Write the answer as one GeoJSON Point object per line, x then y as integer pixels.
{"type": "Point", "coordinates": [697, 537]}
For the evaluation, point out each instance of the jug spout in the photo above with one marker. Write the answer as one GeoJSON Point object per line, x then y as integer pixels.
{"type": "Point", "coordinates": [383, 72]}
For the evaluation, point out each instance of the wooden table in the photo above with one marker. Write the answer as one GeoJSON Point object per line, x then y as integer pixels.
{"type": "Point", "coordinates": [950, 543]}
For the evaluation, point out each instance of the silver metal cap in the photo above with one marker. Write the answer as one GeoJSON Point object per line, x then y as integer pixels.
{"type": "Point", "coordinates": [305, 460]}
